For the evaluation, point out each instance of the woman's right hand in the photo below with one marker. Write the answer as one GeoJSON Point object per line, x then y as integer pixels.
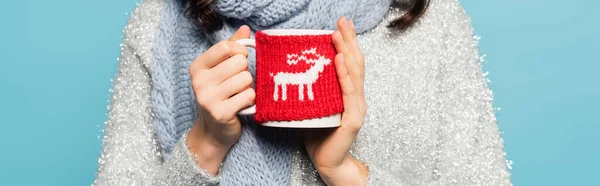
{"type": "Point", "coordinates": [223, 86]}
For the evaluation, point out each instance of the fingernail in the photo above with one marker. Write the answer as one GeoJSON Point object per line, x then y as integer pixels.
{"type": "Point", "coordinates": [337, 34]}
{"type": "Point", "coordinates": [352, 23]}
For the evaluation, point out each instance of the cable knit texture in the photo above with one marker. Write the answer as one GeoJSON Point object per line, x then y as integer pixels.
{"type": "Point", "coordinates": [172, 95]}
{"type": "Point", "coordinates": [430, 118]}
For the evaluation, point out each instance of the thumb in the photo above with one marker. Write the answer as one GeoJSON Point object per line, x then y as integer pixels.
{"type": "Point", "coordinates": [242, 33]}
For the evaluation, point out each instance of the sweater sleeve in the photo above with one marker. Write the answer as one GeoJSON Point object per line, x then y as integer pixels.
{"type": "Point", "coordinates": [471, 151]}
{"type": "Point", "coordinates": [130, 151]}
{"type": "Point", "coordinates": [447, 134]}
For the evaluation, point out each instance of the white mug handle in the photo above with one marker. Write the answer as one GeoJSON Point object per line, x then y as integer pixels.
{"type": "Point", "coordinates": [248, 43]}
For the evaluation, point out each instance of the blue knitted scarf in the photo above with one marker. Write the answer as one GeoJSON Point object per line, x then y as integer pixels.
{"type": "Point", "coordinates": [262, 156]}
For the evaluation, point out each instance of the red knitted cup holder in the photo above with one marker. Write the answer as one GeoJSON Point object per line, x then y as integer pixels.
{"type": "Point", "coordinates": [296, 81]}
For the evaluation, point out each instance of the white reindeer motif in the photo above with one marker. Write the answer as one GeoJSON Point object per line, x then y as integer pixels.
{"type": "Point", "coordinates": [307, 78]}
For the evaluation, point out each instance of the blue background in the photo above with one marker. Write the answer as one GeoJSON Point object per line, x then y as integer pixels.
{"type": "Point", "coordinates": [57, 59]}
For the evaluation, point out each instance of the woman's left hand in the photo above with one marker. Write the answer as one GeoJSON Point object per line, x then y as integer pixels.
{"type": "Point", "coordinates": [330, 149]}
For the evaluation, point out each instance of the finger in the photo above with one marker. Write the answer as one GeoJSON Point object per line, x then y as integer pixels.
{"type": "Point", "coordinates": [346, 29]}
{"type": "Point", "coordinates": [341, 47]}
{"type": "Point", "coordinates": [354, 70]}
{"type": "Point", "coordinates": [222, 50]}
{"type": "Point", "coordinates": [339, 44]}
{"type": "Point", "coordinates": [240, 101]}
{"type": "Point", "coordinates": [360, 92]}
{"type": "Point", "coordinates": [242, 33]}
{"type": "Point", "coordinates": [235, 84]}
{"type": "Point", "coordinates": [349, 93]}
{"type": "Point", "coordinates": [349, 59]}
{"type": "Point", "coordinates": [358, 85]}
{"type": "Point", "coordinates": [343, 77]}
{"type": "Point", "coordinates": [228, 68]}
{"type": "Point", "coordinates": [348, 32]}
{"type": "Point", "coordinates": [204, 78]}
{"type": "Point", "coordinates": [217, 54]}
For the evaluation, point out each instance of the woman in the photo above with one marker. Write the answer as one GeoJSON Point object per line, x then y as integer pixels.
{"type": "Point", "coordinates": [182, 78]}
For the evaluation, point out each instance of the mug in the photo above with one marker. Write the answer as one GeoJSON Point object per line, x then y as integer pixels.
{"type": "Point", "coordinates": [296, 82]}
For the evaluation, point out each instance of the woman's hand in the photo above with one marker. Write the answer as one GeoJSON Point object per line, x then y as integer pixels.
{"type": "Point", "coordinates": [329, 149]}
{"type": "Point", "coordinates": [222, 85]}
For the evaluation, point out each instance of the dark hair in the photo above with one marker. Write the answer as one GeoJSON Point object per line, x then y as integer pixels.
{"type": "Point", "coordinates": [414, 10]}
{"type": "Point", "coordinates": [203, 14]}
